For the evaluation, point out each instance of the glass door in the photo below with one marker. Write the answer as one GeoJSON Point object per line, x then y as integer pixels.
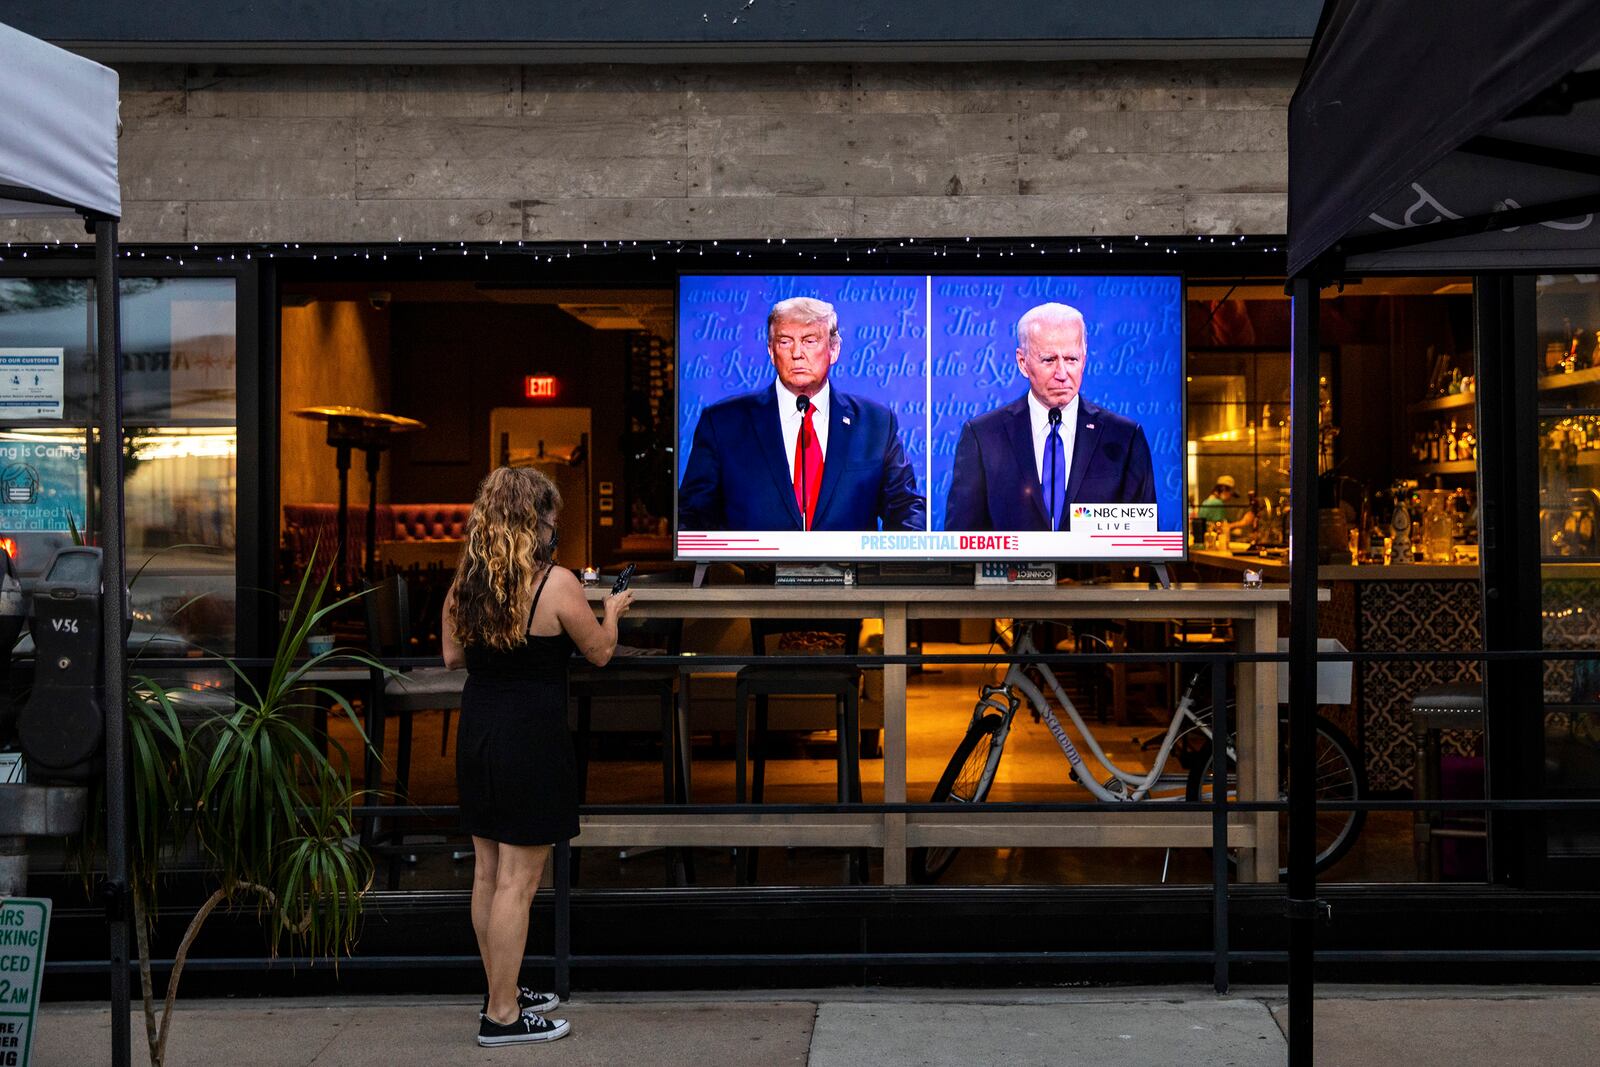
{"type": "Point", "coordinates": [1568, 427]}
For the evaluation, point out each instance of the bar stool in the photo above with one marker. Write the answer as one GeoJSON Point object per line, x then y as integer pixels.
{"type": "Point", "coordinates": [638, 637]}
{"type": "Point", "coordinates": [1444, 707]}
{"type": "Point", "coordinates": [405, 693]}
{"type": "Point", "coordinates": [765, 680]}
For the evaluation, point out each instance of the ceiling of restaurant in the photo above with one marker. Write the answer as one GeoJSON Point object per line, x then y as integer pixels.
{"type": "Point", "coordinates": [600, 309]}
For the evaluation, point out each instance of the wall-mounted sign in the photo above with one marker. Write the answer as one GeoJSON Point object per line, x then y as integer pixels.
{"type": "Point", "coordinates": [540, 387]}
{"type": "Point", "coordinates": [31, 381]}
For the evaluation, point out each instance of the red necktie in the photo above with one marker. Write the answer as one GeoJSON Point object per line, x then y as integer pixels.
{"type": "Point", "coordinates": [807, 480]}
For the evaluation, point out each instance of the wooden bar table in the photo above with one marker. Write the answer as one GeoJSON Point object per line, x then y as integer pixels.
{"type": "Point", "coordinates": [1254, 613]}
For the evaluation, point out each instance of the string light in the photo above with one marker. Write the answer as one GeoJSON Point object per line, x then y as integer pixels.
{"type": "Point", "coordinates": [838, 251]}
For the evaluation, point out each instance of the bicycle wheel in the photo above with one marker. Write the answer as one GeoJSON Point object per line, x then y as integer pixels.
{"type": "Point", "coordinates": [966, 780]}
{"type": "Point", "coordinates": [1339, 777]}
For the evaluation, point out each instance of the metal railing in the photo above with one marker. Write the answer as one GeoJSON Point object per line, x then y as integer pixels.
{"type": "Point", "coordinates": [1220, 955]}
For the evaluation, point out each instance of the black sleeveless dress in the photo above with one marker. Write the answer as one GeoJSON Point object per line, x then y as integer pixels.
{"type": "Point", "coordinates": [515, 767]}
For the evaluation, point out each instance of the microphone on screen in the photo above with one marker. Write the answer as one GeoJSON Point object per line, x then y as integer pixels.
{"type": "Point", "coordinates": [1055, 427]}
{"type": "Point", "coordinates": [801, 404]}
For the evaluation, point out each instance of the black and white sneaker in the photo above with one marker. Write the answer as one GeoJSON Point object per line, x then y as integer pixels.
{"type": "Point", "coordinates": [527, 1027]}
{"type": "Point", "coordinates": [528, 1000]}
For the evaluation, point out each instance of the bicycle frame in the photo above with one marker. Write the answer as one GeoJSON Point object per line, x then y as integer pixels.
{"type": "Point", "coordinates": [1123, 786]}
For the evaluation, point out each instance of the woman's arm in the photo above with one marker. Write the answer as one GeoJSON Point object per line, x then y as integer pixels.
{"type": "Point", "coordinates": [596, 640]}
{"type": "Point", "coordinates": [454, 656]}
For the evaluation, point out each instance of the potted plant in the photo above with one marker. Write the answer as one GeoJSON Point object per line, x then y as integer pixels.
{"type": "Point", "coordinates": [269, 808]}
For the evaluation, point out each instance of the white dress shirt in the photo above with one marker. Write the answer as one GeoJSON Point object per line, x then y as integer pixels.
{"type": "Point", "coordinates": [1039, 419]}
{"type": "Point", "coordinates": [791, 420]}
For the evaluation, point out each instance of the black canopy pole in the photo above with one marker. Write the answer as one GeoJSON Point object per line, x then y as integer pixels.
{"type": "Point", "coordinates": [113, 647]}
{"type": "Point", "coordinates": [1305, 369]}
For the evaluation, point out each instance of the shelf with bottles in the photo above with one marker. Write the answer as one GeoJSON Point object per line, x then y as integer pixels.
{"type": "Point", "coordinates": [1409, 524]}
{"type": "Point", "coordinates": [1445, 447]}
{"type": "Point", "coordinates": [1575, 379]}
{"type": "Point", "coordinates": [1569, 442]}
{"type": "Point", "coordinates": [1467, 466]}
{"type": "Point", "coordinates": [1448, 385]}
{"type": "Point", "coordinates": [1571, 355]}
{"type": "Point", "coordinates": [1445, 403]}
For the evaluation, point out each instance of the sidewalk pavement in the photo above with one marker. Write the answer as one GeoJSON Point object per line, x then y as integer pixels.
{"type": "Point", "coordinates": [1356, 1025]}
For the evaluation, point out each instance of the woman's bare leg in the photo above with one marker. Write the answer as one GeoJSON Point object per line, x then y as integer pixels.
{"type": "Point", "coordinates": [520, 869]}
{"type": "Point", "coordinates": [485, 872]}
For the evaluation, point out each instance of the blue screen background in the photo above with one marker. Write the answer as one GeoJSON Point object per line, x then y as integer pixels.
{"type": "Point", "coordinates": [1134, 367]}
{"type": "Point", "coordinates": [722, 345]}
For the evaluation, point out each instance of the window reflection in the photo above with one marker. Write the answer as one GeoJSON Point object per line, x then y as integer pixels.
{"type": "Point", "coordinates": [180, 449]}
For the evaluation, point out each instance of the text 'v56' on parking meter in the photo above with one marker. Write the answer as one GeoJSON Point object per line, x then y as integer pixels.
{"type": "Point", "coordinates": [62, 727]}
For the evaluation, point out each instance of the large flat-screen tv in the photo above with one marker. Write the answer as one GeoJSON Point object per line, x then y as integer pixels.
{"type": "Point", "coordinates": [852, 417]}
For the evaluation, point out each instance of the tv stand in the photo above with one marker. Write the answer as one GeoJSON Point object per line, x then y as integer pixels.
{"type": "Point", "coordinates": [1163, 576]}
{"type": "Point", "coordinates": [699, 575]}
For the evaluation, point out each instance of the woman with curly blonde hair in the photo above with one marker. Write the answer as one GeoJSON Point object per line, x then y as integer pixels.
{"type": "Point", "coordinates": [512, 618]}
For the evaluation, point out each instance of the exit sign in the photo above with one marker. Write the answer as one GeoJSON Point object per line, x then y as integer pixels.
{"type": "Point", "coordinates": [539, 388]}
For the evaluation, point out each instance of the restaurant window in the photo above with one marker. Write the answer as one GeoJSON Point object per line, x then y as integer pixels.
{"type": "Point", "coordinates": [1238, 428]}
{"type": "Point", "coordinates": [180, 447]}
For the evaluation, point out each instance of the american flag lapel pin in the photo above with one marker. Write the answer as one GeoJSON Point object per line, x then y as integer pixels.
{"type": "Point", "coordinates": [847, 420]}
{"type": "Point", "coordinates": [1088, 426]}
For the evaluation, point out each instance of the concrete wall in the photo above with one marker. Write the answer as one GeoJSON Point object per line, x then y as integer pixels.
{"type": "Point", "coordinates": [490, 153]}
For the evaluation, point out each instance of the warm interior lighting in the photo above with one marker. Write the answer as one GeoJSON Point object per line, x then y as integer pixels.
{"type": "Point", "coordinates": [539, 387]}
{"type": "Point", "coordinates": [202, 443]}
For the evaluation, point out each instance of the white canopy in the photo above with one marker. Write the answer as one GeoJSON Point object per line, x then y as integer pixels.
{"type": "Point", "coordinates": [58, 131]}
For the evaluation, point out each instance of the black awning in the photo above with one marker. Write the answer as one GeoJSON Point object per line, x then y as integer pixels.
{"type": "Point", "coordinates": [1448, 136]}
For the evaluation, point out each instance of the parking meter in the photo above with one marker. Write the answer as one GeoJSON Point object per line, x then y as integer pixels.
{"type": "Point", "coordinates": [62, 727]}
{"type": "Point", "coordinates": [13, 613]}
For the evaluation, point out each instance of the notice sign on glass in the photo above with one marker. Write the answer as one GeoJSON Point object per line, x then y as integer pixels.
{"type": "Point", "coordinates": [42, 486]}
{"type": "Point", "coordinates": [31, 382]}
{"type": "Point", "coordinates": [24, 926]}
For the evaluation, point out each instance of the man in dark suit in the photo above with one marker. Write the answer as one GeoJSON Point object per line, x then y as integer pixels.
{"type": "Point", "coordinates": [1022, 466]}
{"type": "Point", "coordinates": [799, 455]}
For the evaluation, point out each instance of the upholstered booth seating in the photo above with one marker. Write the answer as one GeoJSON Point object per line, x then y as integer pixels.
{"type": "Point", "coordinates": [308, 526]}
{"type": "Point", "coordinates": [425, 522]}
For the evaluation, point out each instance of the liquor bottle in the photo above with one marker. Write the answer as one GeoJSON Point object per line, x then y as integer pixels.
{"type": "Point", "coordinates": [1450, 446]}
{"type": "Point", "coordinates": [1433, 444]}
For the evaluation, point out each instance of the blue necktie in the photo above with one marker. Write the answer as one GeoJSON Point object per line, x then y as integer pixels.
{"type": "Point", "coordinates": [1055, 459]}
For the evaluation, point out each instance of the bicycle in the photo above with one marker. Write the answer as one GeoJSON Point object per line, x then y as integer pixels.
{"type": "Point", "coordinates": [971, 771]}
